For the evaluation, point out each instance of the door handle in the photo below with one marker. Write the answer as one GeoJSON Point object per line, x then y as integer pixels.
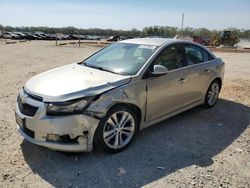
{"type": "Point", "coordinates": [207, 71]}
{"type": "Point", "coordinates": [182, 80]}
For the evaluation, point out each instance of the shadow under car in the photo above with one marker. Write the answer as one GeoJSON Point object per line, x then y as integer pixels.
{"type": "Point", "coordinates": [190, 138]}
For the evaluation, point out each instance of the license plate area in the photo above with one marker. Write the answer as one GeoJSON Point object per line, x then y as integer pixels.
{"type": "Point", "coordinates": [20, 121]}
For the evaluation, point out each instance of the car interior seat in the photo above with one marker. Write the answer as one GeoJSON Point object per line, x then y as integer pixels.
{"type": "Point", "coordinates": [193, 57]}
{"type": "Point", "coordinates": [170, 59]}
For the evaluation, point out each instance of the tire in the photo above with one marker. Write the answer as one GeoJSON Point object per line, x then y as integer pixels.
{"type": "Point", "coordinates": [112, 135]}
{"type": "Point", "coordinates": [212, 94]}
{"type": "Point", "coordinates": [216, 43]}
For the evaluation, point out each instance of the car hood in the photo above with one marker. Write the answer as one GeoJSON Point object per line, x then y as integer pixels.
{"type": "Point", "coordinates": [73, 81]}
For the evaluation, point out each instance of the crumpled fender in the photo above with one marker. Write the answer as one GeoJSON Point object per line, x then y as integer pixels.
{"type": "Point", "coordinates": [133, 93]}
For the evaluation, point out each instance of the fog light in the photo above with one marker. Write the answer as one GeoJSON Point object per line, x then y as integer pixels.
{"type": "Point", "coordinates": [82, 140]}
{"type": "Point", "coordinates": [53, 137]}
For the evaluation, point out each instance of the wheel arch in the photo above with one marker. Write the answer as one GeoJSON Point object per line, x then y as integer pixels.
{"type": "Point", "coordinates": [96, 141]}
{"type": "Point", "coordinates": [217, 79]}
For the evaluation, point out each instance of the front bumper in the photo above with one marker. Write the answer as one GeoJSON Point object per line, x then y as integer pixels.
{"type": "Point", "coordinates": [55, 146]}
{"type": "Point", "coordinates": [40, 128]}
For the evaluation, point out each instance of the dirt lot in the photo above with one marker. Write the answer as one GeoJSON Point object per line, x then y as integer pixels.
{"type": "Point", "coordinates": [198, 148]}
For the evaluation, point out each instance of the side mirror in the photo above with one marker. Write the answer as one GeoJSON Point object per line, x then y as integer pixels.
{"type": "Point", "coordinates": [159, 70]}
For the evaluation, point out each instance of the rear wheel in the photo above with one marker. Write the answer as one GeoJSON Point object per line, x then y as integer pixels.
{"type": "Point", "coordinates": [117, 129]}
{"type": "Point", "coordinates": [212, 94]}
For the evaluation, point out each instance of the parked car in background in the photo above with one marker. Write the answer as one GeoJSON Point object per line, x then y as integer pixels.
{"type": "Point", "coordinates": [94, 37]}
{"type": "Point", "coordinates": [73, 37]}
{"type": "Point", "coordinates": [60, 36]}
{"type": "Point", "coordinates": [113, 38]}
{"type": "Point", "coordinates": [22, 35]}
{"type": "Point", "coordinates": [38, 36]}
{"type": "Point", "coordinates": [41, 35]}
{"type": "Point", "coordinates": [64, 37]}
{"type": "Point", "coordinates": [30, 36]}
{"type": "Point", "coordinates": [11, 35]}
{"type": "Point", "coordinates": [51, 37]}
{"type": "Point", "coordinates": [116, 92]}
{"type": "Point", "coordinates": [83, 37]}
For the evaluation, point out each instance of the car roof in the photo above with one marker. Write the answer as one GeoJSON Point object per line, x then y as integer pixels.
{"type": "Point", "coordinates": [150, 41]}
{"type": "Point", "coordinates": [161, 41]}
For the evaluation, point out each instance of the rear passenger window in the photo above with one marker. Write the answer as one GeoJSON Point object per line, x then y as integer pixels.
{"type": "Point", "coordinates": [207, 56]}
{"type": "Point", "coordinates": [194, 55]}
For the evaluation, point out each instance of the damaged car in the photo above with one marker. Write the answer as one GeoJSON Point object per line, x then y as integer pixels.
{"type": "Point", "coordinates": [116, 92]}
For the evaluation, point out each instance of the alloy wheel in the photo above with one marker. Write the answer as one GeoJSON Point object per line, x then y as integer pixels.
{"type": "Point", "coordinates": [119, 129]}
{"type": "Point", "coordinates": [213, 93]}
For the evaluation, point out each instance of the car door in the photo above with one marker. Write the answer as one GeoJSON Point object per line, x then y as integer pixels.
{"type": "Point", "coordinates": [176, 89]}
{"type": "Point", "coordinates": [200, 61]}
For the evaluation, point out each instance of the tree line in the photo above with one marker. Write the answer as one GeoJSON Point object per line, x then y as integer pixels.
{"type": "Point", "coordinates": [161, 31]}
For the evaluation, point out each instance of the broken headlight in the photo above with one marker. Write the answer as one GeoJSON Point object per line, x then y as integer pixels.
{"type": "Point", "coordinates": [70, 107]}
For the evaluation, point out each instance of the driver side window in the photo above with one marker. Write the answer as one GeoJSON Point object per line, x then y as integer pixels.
{"type": "Point", "coordinates": [170, 57]}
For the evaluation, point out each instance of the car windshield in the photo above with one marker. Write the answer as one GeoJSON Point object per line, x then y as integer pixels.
{"type": "Point", "coordinates": [121, 58]}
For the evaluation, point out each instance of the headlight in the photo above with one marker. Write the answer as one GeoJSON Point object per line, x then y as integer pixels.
{"type": "Point", "coordinates": [70, 107]}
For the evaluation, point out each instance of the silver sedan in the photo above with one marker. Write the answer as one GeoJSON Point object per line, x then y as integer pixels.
{"type": "Point", "coordinates": [116, 92]}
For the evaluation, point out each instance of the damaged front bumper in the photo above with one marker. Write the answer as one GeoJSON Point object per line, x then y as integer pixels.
{"type": "Point", "coordinates": [70, 133]}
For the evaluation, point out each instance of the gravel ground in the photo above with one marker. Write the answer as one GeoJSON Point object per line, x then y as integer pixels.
{"type": "Point", "coordinates": [198, 148]}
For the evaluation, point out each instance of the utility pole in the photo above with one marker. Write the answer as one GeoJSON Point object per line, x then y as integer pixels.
{"type": "Point", "coordinates": [5, 39]}
{"type": "Point", "coordinates": [182, 22]}
{"type": "Point", "coordinates": [79, 38]}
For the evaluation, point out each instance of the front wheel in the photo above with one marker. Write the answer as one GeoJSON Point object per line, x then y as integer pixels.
{"type": "Point", "coordinates": [117, 129]}
{"type": "Point", "coordinates": [212, 94]}
{"type": "Point", "coordinates": [216, 43]}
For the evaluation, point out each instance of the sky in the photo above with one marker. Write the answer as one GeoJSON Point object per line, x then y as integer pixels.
{"type": "Point", "coordinates": [126, 14]}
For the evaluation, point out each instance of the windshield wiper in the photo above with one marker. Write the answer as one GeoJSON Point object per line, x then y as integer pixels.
{"type": "Point", "coordinates": [105, 69]}
{"type": "Point", "coordinates": [100, 68]}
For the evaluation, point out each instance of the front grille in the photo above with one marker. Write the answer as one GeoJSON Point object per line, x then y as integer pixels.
{"type": "Point", "coordinates": [25, 108]}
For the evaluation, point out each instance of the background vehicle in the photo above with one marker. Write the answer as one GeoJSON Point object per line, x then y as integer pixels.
{"type": "Point", "coordinates": [10, 35]}
{"type": "Point", "coordinates": [113, 38]}
{"type": "Point", "coordinates": [201, 40]}
{"type": "Point", "coordinates": [73, 37]}
{"type": "Point", "coordinates": [22, 35]}
{"type": "Point", "coordinates": [227, 38]}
